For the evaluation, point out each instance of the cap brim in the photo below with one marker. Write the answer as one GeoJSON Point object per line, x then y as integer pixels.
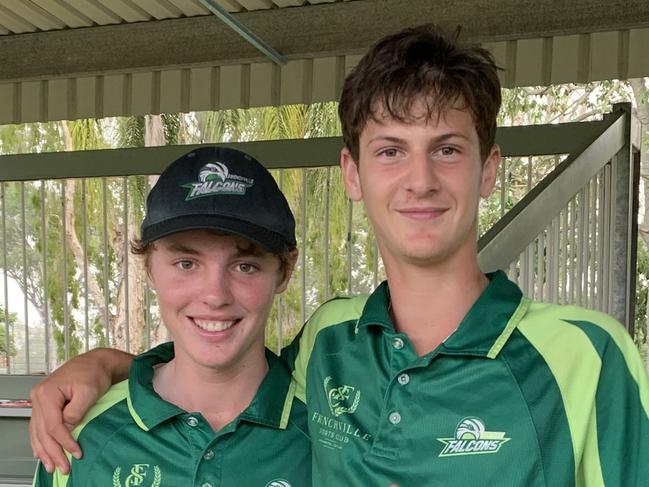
{"type": "Point", "coordinates": [267, 239]}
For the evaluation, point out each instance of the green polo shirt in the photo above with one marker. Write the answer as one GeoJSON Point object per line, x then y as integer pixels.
{"type": "Point", "coordinates": [132, 437]}
{"type": "Point", "coordinates": [522, 394]}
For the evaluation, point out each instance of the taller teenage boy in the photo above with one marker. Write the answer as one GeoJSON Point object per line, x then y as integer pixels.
{"type": "Point", "coordinates": [444, 375]}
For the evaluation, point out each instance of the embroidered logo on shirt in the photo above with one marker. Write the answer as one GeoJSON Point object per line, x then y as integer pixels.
{"type": "Point", "coordinates": [343, 399]}
{"type": "Point", "coordinates": [215, 178]}
{"type": "Point", "coordinates": [471, 438]}
{"type": "Point", "coordinates": [138, 476]}
{"type": "Point", "coordinates": [278, 483]}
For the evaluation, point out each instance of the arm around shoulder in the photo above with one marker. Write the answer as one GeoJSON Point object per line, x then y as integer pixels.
{"type": "Point", "coordinates": [62, 400]}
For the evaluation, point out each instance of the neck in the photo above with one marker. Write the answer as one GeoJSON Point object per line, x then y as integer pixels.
{"type": "Point", "coordinates": [219, 395]}
{"type": "Point", "coordinates": [429, 303]}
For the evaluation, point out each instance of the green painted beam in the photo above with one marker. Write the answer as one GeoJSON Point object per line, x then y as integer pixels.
{"type": "Point", "coordinates": [514, 141]}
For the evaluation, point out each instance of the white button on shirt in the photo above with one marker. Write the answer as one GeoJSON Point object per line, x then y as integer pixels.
{"type": "Point", "coordinates": [395, 417]}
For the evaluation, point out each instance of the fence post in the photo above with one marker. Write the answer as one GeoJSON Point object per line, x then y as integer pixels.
{"type": "Point", "coordinates": [626, 179]}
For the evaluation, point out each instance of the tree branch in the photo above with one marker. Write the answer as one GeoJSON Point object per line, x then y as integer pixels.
{"type": "Point", "coordinates": [94, 289]}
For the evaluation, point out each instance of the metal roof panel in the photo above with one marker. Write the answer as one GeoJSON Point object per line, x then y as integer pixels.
{"type": "Point", "coordinates": [15, 23]}
{"type": "Point", "coordinates": [69, 16]}
{"type": "Point", "coordinates": [99, 14]}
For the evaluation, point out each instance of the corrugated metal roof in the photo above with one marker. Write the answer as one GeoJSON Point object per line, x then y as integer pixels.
{"type": "Point", "coordinates": [313, 73]}
{"type": "Point", "coordinates": [22, 16]}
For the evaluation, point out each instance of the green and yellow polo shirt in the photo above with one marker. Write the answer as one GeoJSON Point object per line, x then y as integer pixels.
{"type": "Point", "coordinates": [522, 394]}
{"type": "Point", "coordinates": [132, 437]}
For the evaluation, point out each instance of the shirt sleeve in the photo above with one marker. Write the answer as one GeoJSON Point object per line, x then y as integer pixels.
{"type": "Point", "coordinates": [620, 422]}
{"type": "Point", "coordinates": [295, 361]}
{"type": "Point", "coordinates": [290, 352]}
{"type": "Point", "coordinates": [298, 354]}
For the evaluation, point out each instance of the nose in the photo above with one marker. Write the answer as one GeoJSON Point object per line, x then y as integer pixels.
{"type": "Point", "coordinates": [216, 288]}
{"type": "Point", "coordinates": [421, 177]}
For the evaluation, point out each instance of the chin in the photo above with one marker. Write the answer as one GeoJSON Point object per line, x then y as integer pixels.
{"type": "Point", "coordinates": [423, 251]}
{"type": "Point", "coordinates": [423, 261]}
{"type": "Point", "coordinates": [425, 255]}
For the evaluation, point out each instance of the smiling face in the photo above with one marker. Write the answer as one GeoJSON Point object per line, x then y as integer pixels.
{"type": "Point", "coordinates": [215, 293]}
{"type": "Point", "coordinates": [421, 182]}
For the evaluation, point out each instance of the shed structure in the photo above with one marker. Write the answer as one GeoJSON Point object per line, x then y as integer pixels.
{"type": "Point", "coordinates": [72, 59]}
{"type": "Point", "coordinates": [69, 59]}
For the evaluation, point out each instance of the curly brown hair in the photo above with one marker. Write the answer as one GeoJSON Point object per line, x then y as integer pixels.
{"type": "Point", "coordinates": [421, 64]}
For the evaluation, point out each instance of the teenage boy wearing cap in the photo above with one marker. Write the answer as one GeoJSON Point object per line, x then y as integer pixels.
{"type": "Point", "coordinates": [444, 376]}
{"type": "Point", "coordinates": [219, 243]}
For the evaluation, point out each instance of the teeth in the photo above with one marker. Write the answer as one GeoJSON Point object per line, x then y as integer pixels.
{"type": "Point", "coordinates": [213, 325]}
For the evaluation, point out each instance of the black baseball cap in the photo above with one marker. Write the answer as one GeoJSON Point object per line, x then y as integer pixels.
{"type": "Point", "coordinates": [218, 188]}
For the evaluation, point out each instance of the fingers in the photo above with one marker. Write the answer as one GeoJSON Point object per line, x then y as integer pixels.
{"type": "Point", "coordinates": [61, 401]}
{"type": "Point", "coordinates": [48, 449]}
{"type": "Point", "coordinates": [38, 451]}
{"type": "Point", "coordinates": [47, 431]}
{"type": "Point", "coordinates": [76, 409]}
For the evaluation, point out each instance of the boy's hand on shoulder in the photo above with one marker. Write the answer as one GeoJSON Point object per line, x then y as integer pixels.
{"type": "Point", "coordinates": [61, 401]}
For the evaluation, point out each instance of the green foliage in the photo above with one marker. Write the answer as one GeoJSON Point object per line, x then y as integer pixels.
{"type": "Point", "coordinates": [171, 124]}
{"type": "Point", "coordinates": [642, 294]}
{"type": "Point", "coordinates": [130, 132]}
{"type": "Point", "coordinates": [561, 103]}
{"type": "Point", "coordinates": [7, 347]}
{"type": "Point", "coordinates": [86, 134]}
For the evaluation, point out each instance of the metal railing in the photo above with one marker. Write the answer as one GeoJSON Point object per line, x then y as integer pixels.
{"type": "Point", "coordinates": [572, 238]}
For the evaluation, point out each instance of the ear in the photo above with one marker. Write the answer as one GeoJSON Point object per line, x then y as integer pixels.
{"type": "Point", "coordinates": [290, 266]}
{"type": "Point", "coordinates": [350, 175]}
{"type": "Point", "coordinates": [490, 172]}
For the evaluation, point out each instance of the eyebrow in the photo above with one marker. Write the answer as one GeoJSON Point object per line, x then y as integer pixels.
{"type": "Point", "coordinates": [251, 250]}
{"type": "Point", "coordinates": [452, 135]}
{"type": "Point", "coordinates": [182, 249]}
{"type": "Point", "coordinates": [439, 139]}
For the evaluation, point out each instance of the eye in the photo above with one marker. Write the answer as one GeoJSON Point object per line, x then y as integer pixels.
{"type": "Point", "coordinates": [388, 152]}
{"type": "Point", "coordinates": [246, 267]}
{"type": "Point", "coordinates": [185, 265]}
{"type": "Point", "coordinates": [448, 151]}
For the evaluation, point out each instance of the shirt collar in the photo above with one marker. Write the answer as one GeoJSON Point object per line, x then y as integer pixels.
{"type": "Point", "coordinates": [483, 331]}
{"type": "Point", "coordinates": [274, 398]}
{"type": "Point", "coordinates": [270, 406]}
